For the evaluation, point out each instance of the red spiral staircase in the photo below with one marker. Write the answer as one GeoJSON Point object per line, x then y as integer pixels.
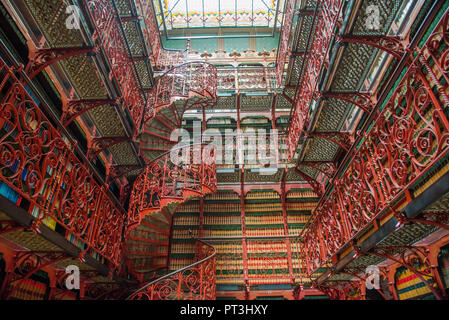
{"type": "Point", "coordinates": [194, 282]}
{"type": "Point", "coordinates": [164, 185]}
{"type": "Point", "coordinates": [192, 85]}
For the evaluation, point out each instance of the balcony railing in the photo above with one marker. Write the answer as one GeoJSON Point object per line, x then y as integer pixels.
{"type": "Point", "coordinates": [165, 183]}
{"type": "Point", "coordinates": [246, 79]}
{"type": "Point", "coordinates": [194, 282]}
{"type": "Point", "coordinates": [38, 163]}
{"type": "Point", "coordinates": [186, 81]}
{"type": "Point", "coordinates": [408, 139]}
{"type": "Point", "coordinates": [326, 20]}
{"type": "Point", "coordinates": [108, 35]}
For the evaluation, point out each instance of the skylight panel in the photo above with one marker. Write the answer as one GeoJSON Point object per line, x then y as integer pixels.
{"type": "Point", "coordinates": [181, 14]}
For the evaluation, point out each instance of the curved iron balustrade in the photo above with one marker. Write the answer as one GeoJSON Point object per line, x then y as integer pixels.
{"type": "Point", "coordinates": [163, 183]}
{"type": "Point", "coordinates": [156, 194]}
{"type": "Point", "coordinates": [188, 86]}
{"type": "Point", "coordinates": [193, 282]}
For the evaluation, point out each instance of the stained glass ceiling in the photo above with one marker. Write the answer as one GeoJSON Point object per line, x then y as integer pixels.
{"type": "Point", "coordinates": [181, 14]}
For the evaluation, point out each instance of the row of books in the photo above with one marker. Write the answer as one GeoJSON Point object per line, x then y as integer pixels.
{"type": "Point", "coordinates": [267, 208]}
{"type": "Point", "coordinates": [223, 196]}
{"type": "Point", "coordinates": [265, 232]}
{"type": "Point", "coordinates": [215, 220]}
{"type": "Point", "coordinates": [185, 220]}
{"type": "Point", "coordinates": [295, 229]}
{"type": "Point", "coordinates": [301, 194]}
{"type": "Point", "coordinates": [221, 207]}
{"type": "Point", "coordinates": [29, 290]}
{"type": "Point", "coordinates": [258, 245]}
{"type": "Point", "coordinates": [184, 233]}
{"type": "Point", "coordinates": [177, 249]}
{"type": "Point", "coordinates": [147, 234]}
{"type": "Point", "coordinates": [297, 218]}
{"type": "Point", "coordinates": [264, 219]}
{"type": "Point", "coordinates": [222, 280]}
{"type": "Point", "coordinates": [222, 233]}
{"type": "Point", "coordinates": [10, 194]}
{"type": "Point", "coordinates": [409, 286]}
{"type": "Point", "coordinates": [262, 195]}
{"type": "Point", "coordinates": [300, 206]}
{"type": "Point", "coordinates": [269, 280]}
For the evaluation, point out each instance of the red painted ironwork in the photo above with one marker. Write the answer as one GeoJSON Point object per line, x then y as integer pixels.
{"type": "Point", "coordinates": [38, 163]}
{"type": "Point", "coordinates": [108, 35]}
{"type": "Point", "coordinates": [163, 183]}
{"type": "Point", "coordinates": [9, 226]}
{"type": "Point", "coordinates": [28, 262]}
{"type": "Point", "coordinates": [394, 45]}
{"type": "Point", "coordinates": [74, 108]}
{"type": "Point", "coordinates": [327, 15]}
{"type": "Point", "coordinates": [162, 59]}
{"type": "Point", "coordinates": [96, 145]}
{"type": "Point", "coordinates": [116, 171]}
{"type": "Point", "coordinates": [364, 101]}
{"type": "Point", "coordinates": [284, 39]}
{"type": "Point", "coordinates": [246, 79]}
{"type": "Point", "coordinates": [194, 282]}
{"type": "Point", "coordinates": [407, 139]}
{"type": "Point", "coordinates": [194, 81]}
{"type": "Point", "coordinates": [41, 58]}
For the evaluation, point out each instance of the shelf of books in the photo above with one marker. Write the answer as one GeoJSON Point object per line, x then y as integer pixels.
{"type": "Point", "coordinates": [263, 214]}
{"type": "Point", "coordinates": [222, 215]}
{"type": "Point", "coordinates": [34, 288]}
{"type": "Point", "coordinates": [222, 219]}
{"type": "Point", "coordinates": [267, 259]}
{"type": "Point", "coordinates": [221, 123]}
{"type": "Point", "coordinates": [268, 262]}
{"type": "Point", "coordinates": [409, 286]}
{"type": "Point", "coordinates": [256, 123]}
{"type": "Point", "coordinates": [185, 224]}
{"type": "Point", "coordinates": [229, 262]}
{"type": "Point", "coordinates": [46, 178]}
{"type": "Point", "coordinates": [299, 205]}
